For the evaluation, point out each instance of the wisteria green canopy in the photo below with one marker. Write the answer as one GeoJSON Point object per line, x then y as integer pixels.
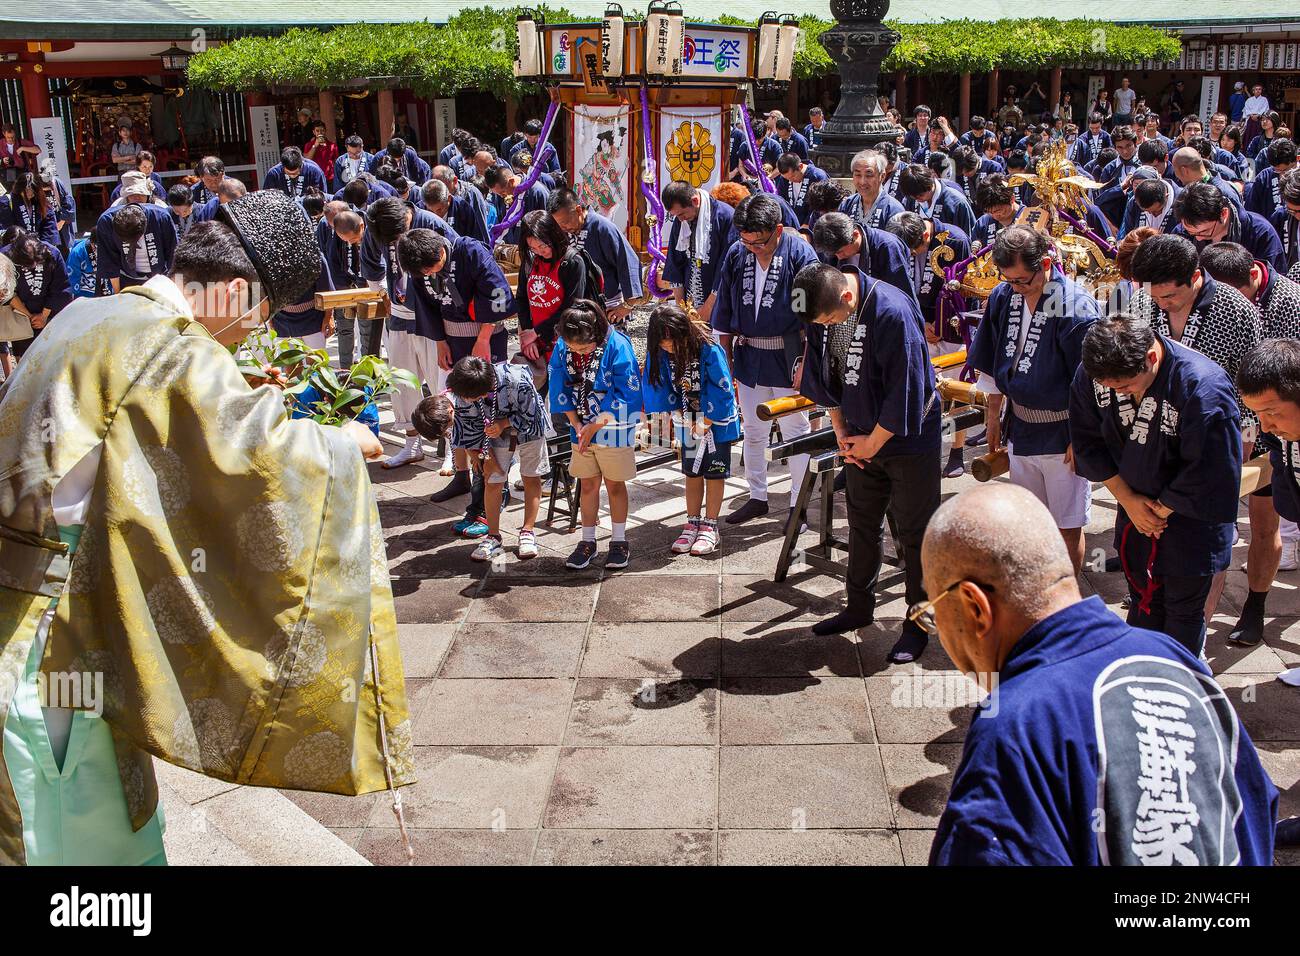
{"type": "Point", "coordinates": [475, 50]}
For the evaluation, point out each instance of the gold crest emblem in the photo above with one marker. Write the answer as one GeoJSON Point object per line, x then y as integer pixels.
{"type": "Point", "coordinates": [691, 154]}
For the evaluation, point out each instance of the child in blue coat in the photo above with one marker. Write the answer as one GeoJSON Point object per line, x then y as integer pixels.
{"type": "Point", "coordinates": [686, 374]}
{"type": "Point", "coordinates": [595, 383]}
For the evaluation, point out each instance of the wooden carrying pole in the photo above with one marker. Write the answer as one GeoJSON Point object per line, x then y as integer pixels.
{"type": "Point", "coordinates": [956, 391]}
{"type": "Point", "coordinates": [368, 303]}
{"type": "Point", "coordinates": [990, 466]}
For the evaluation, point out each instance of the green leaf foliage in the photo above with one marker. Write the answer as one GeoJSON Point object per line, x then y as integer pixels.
{"type": "Point", "coordinates": [475, 50]}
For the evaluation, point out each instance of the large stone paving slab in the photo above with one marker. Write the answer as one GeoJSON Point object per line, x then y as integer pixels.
{"type": "Point", "coordinates": [634, 788]}
{"type": "Point", "coordinates": [790, 651]}
{"type": "Point", "coordinates": [494, 712]}
{"type": "Point", "coordinates": [624, 848]}
{"type": "Point", "coordinates": [610, 711]}
{"type": "Point", "coordinates": [785, 710]}
{"type": "Point", "coordinates": [658, 597]}
{"type": "Point", "coordinates": [523, 600]}
{"type": "Point", "coordinates": [433, 600]}
{"type": "Point", "coordinates": [686, 649]}
{"type": "Point", "coordinates": [474, 788]}
{"type": "Point", "coordinates": [513, 650]}
{"type": "Point", "coordinates": [808, 848]}
{"type": "Point", "coordinates": [920, 777]}
{"type": "Point", "coordinates": [833, 786]}
{"type": "Point", "coordinates": [450, 847]}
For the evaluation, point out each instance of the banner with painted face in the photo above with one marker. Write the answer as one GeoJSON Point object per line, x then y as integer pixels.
{"type": "Point", "coordinates": [691, 145]}
{"type": "Point", "coordinates": [600, 161]}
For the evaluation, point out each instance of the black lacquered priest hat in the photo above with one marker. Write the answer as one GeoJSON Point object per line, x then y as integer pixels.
{"type": "Point", "coordinates": [279, 239]}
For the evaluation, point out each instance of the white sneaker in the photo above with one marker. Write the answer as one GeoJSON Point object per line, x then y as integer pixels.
{"type": "Point", "coordinates": [413, 451]}
{"type": "Point", "coordinates": [489, 549]}
{"type": "Point", "coordinates": [686, 540]}
{"type": "Point", "coordinates": [527, 545]}
{"type": "Point", "coordinates": [1290, 559]}
{"type": "Point", "coordinates": [707, 541]}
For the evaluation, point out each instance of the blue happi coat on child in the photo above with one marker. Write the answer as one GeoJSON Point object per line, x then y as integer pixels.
{"type": "Point", "coordinates": [1180, 446]}
{"type": "Point", "coordinates": [708, 394]}
{"type": "Point", "coordinates": [611, 383]}
{"type": "Point", "coordinates": [768, 333]}
{"type": "Point", "coordinates": [1035, 377]}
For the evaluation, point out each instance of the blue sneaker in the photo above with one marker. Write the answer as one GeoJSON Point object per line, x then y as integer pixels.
{"type": "Point", "coordinates": [470, 527]}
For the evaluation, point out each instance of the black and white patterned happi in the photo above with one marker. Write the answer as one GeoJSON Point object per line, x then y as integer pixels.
{"type": "Point", "coordinates": [1223, 330]}
{"type": "Point", "coordinates": [1280, 310]}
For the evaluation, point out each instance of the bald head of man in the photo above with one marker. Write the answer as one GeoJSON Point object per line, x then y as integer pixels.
{"type": "Point", "coordinates": [1189, 167]}
{"type": "Point", "coordinates": [995, 565]}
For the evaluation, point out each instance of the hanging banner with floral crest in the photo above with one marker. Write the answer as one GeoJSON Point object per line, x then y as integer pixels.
{"type": "Point", "coordinates": [691, 145]}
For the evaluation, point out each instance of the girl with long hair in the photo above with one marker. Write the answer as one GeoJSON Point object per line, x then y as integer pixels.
{"type": "Point", "coordinates": [687, 376]}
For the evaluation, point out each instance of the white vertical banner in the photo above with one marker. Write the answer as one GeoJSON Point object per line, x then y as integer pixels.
{"type": "Point", "coordinates": [444, 121]}
{"type": "Point", "coordinates": [690, 145]}
{"type": "Point", "coordinates": [47, 133]}
{"type": "Point", "coordinates": [600, 162]}
{"type": "Point", "coordinates": [265, 136]}
{"type": "Point", "coordinates": [1210, 86]}
{"type": "Point", "coordinates": [1095, 85]}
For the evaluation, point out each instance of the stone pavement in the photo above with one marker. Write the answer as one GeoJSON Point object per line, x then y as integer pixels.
{"type": "Point", "coordinates": [680, 711]}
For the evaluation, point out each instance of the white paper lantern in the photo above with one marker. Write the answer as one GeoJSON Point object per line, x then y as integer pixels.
{"type": "Point", "coordinates": [769, 38]}
{"type": "Point", "coordinates": [676, 38]}
{"type": "Point", "coordinates": [528, 61]}
{"type": "Point", "coordinates": [788, 41]}
{"type": "Point", "coordinates": [612, 31]}
{"type": "Point", "coordinates": [665, 31]}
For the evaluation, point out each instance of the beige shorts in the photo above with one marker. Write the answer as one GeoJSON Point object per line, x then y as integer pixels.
{"type": "Point", "coordinates": [616, 464]}
{"type": "Point", "coordinates": [532, 460]}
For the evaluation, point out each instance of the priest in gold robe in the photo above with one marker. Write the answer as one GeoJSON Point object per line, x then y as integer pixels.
{"type": "Point", "coordinates": [185, 573]}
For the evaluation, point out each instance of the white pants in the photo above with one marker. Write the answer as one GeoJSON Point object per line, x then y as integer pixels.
{"type": "Point", "coordinates": [315, 341]}
{"type": "Point", "coordinates": [1290, 531]}
{"type": "Point", "coordinates": [419, 355]}
{"type": "Point", "coordinates": [756, 439]}
{"type": "Point", "coordinates": [1067, 496]}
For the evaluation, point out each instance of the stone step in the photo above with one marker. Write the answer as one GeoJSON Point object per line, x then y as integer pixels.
{"type": "Point", "coordinates": [211, 822]}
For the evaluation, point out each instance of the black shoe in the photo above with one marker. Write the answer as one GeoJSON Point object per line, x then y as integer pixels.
{"type": "Point", "coordinates": [751, 509]}
{"type": "Point", "coordinates": [582, 555]}
{"type": "Point", "coordinates": [1287, 832]}
{"type": "Point", "coordinates": [619, 555]}
{"type": "Point", "coordinates": [1248, 631]}
{"type": "Point", "coordinates": [977, 439]}
{"type": "Point", "coordinates": [459, 485]}
{"type": "Point", "coordinates": [842, 623]}
{"type": "Point", "coordinates": [1113, 564]}
{"type": "Point", "coordinates": [909, 647]}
